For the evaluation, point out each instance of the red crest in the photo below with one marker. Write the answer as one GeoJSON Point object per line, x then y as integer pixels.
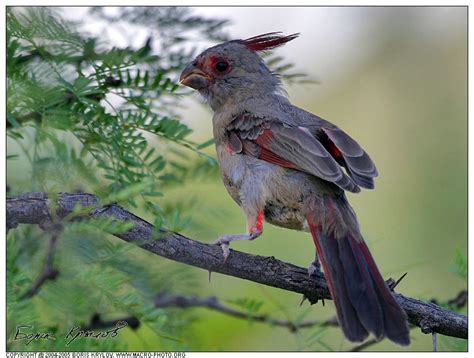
{"type": "Point", "coordinates": [267, 41]}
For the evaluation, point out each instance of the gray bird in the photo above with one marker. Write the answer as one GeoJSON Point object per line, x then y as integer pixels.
{"type": "Point", "coordinates": [290, 168]}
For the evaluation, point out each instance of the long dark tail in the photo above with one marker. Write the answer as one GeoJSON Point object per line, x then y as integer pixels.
{"type": "Point", "coordinates": [363, 301]}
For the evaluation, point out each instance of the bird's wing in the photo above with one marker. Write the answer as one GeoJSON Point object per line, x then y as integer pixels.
{"type": "Point", "coordinates": [349, 154]}
{"type": "Point", "coordinates": [291, 147]}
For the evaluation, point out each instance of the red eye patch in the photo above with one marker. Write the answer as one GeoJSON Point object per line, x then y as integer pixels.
{"type": "Point", "coordinates": [218, 64]}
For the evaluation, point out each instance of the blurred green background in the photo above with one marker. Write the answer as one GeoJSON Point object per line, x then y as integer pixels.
{"type": "Point", "coordinates": [396, 80]}
{"type": "Point", "coordinates": [406, 103]}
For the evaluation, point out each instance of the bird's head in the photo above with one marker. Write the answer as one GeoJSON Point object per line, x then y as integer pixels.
{"type": "Point", "coordinates": [234, 71]}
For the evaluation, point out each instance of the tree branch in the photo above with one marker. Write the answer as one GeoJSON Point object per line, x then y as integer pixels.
{"type": "Point", "coordinates": [36, 208]}
{"type": "Point", "coordinates": [213, 303]}
{"type": "Point", "coordinates": [96, 322]}
{"type": "Point", "coordinates": [49, 271]}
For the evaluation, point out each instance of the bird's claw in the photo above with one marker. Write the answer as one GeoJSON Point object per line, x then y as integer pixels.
{"type": "Point", "coordinates": [254, 235]}
{"type": "Point", "coordinates": [223, 241]}
{"type": "Point", "coordinates": [225, 251]}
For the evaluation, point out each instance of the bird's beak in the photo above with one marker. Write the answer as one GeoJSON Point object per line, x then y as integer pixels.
{"type": "Point", "coordinates": [194, 77]}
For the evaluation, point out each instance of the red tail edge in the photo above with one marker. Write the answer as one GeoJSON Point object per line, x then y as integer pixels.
{"type": "Point", "coordinates": [327, 273]}
{"type": "Point", "coordinates": [378, 312]}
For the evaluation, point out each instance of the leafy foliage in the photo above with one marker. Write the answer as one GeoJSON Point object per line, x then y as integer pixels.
{"type": "Point", "coordinates": [90, 117]}
{"type": "Point", "coordinates": [108, 100]}
{"type": "Point", "coordinates": [249, 305]}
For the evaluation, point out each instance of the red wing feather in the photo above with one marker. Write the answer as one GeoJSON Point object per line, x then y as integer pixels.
{"type": "Point", "coordinates": [289, 147]}
{"type": "Point", "coordinates": [271, 157]}
{"type": "Point", "coordinates": [268, 155]}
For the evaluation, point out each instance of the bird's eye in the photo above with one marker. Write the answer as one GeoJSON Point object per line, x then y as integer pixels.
{"type": "Point", "coordinates": [221, 66]}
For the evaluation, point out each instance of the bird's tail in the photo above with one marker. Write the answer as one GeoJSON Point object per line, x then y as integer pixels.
{"type": "Point", "coordinates": [363, 300]}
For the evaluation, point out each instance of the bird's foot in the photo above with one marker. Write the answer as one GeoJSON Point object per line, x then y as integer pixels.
{"type": "Point", "coordinates": [225, 240]}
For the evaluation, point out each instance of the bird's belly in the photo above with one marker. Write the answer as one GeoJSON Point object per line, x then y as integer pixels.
{"type": "Point", "coordinates": [279, 192]}
{"type": "Point", "coordinates": [290, 217]}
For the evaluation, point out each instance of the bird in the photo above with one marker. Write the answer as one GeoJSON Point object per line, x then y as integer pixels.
{"type": "Point", "coordinates": [288, 167]}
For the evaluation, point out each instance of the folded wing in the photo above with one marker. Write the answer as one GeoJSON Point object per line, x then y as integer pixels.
{"type": "Point", "coordinates": [349, 154]}
{"type": "Point", "coordinates": [299, 148]}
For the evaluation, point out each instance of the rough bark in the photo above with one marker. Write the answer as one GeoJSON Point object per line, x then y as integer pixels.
{"type": "Point", "coordinates": [36, 208]}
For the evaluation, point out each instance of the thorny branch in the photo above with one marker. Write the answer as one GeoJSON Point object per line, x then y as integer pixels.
{"type": "Point", "coordinates": [213, 303]}
{"type": "Point", "coordinates": [164, 300]}
{"type": "Point", "coordinates": [180, 301]}
{"type": "Point", "coordinates": [36, 208]}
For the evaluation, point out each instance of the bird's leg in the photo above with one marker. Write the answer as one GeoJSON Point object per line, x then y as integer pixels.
{"type": "Point", "coordinates": [315, 266]}
{"type": "Point", "coordinates": [254, 228]}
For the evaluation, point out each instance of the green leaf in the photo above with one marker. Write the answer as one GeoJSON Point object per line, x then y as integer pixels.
{"type": "Point", "coordinates": [157, 80]}
{"type": "Point", "coordinates": [205, 144]}
{"type": "Point", "coordinates": [137, 78]}
{"type": "Point", "coordinates": [12, 120]}
{"type": "Point", "coordinates": [153, 193]}
{"type": "Point", "coordinates": [127, 192]}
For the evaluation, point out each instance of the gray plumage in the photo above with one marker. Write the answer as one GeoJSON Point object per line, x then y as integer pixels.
{"type": "Point", "coordinates": [290, 167]}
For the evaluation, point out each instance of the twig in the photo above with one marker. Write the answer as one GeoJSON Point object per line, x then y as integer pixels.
{"type": "Point", "coordinates": [460, 300]}
{"type": "Point", "coordinates": [371, 342]}
{"type": "Point", "coordinates": [364, 345]}
{"type": "Point", "coordinates": [49, 271]}
{"type": "Point", "coordinates": [213, 303]}
{"type": "Point", "coordinates": [96, 322]}
{"type": "Point", "coordinates": [35, 208]}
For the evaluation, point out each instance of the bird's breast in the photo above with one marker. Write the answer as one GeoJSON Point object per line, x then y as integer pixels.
{"type": "Point", "coordinates": [279, 191]}
{"type": "Point", "coordinates": [233, 171]}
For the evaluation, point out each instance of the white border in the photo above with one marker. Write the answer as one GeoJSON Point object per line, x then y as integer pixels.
{"type": "Point", "coordinates": [197, 3]}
